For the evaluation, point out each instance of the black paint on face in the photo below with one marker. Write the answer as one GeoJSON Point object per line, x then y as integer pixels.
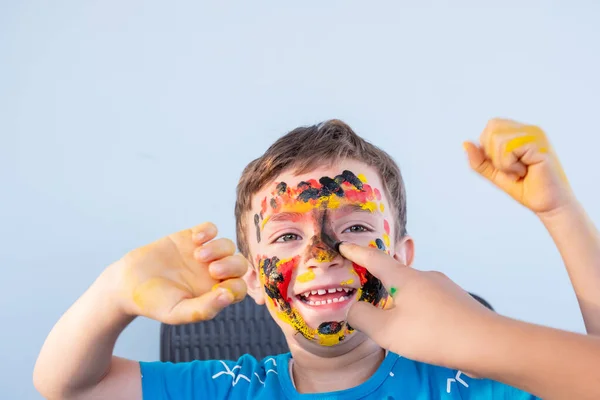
{"type": "Point", "coordinates": [330, 328]}
{"type": "Point", "coordinates": [322, 245]}
{"type": "Point", "coordinates": [281, 188]}
{"type": "Point", "coordinates": [373, 290]}
{"type": "Point", "coordinates": [257, 224]}
{"type": "Point", "coordinates": [328, 187]}
{"type": "Point", "coordinates": [328, 235]}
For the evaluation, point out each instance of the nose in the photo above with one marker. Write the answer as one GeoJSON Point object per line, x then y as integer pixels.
{"type": "Point", "coordinates": [321, 255]}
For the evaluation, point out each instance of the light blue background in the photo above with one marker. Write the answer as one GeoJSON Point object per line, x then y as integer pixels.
{"type": "Point", "coordinates": [122, 121]}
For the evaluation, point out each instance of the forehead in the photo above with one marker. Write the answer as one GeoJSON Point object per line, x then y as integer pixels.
{"type": "Point", "coordinates": [360, 170]}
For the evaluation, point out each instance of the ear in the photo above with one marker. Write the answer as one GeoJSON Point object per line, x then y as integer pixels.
{"type": "Point", "coordinates": [255, 288]}
{"type": "Point", "coordinates": [405, 251]}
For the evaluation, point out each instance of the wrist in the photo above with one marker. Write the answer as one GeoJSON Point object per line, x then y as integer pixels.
{"type": "Point", "coordinates": [109, 291]}
{"type": "Point", "coordinates": [570, 210]}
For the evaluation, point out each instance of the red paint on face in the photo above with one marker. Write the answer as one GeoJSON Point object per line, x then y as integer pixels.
{"type": "Point", "coordinates": [360, 196]}
{"type": "Point", "coordinates": [361, 272]}
{"type": "Point", "coordinates": [286, 269]}
{"type": "Point", "coordinates": [377, 194]}
{"type": "Point", "coordinates": [386, 226]}
{"type": "Point", "coordinates": [263, 206]}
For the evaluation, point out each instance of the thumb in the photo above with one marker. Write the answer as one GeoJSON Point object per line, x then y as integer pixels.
{"type": "Point", "coordinates": [200, 308]}
{"type": "Point", "coordinates": [371, 321]}
{"type": "Point", "coordinates": [478, 160]}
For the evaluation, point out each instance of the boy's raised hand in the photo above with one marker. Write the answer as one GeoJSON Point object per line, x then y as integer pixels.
{"type": "Point", "coordinates": [518, 159]}
{"type": "Point", "coordinates": [432, 320]}
{"type": "Point", "coordinates": [182, 278]}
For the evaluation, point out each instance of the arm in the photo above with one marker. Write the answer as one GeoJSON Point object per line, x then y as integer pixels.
{"type": "Point", "coordinates": [578, 242]}
{"type": "Point", "coordinates": [550, 363]}
{"type": "Point", "coordinates": [76, 360]}
{"type": "Point", "coordinates": [519, 159]}
{"type": "Point", "coordinates": [169, 281]}
{"type": "Point", "coordinates": [438, 323]}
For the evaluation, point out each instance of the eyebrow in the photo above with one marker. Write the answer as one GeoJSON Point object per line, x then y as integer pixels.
{"type": "Point", "coordinates": [350, 208]}
{"type": "Point", "coordinates": [284, 216]}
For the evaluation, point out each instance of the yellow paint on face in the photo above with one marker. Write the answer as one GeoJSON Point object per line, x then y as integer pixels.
{"type": "Point", "coordinates": [362, 178]}
{"type": "Point", "coordinates": [370, 205]}
{"type": "Point", "coordinates": [324, 255]}
{"type": "Point", "coordinates": [348, 282]}
{"type": "Point", "coordinates": [386, 240]}
{"type": "Point", "coordinates": [520, 141]}
{"type": "Point", "coordinates": [306, 277]}
{"type": "Point", "coordinates": [381, 207]}
{"type": "Point", "coordinates": [294, 319]}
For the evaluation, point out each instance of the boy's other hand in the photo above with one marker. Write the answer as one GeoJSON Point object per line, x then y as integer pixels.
{"type": "Point", "coordinates": [182, 278]}
{"type": "Point", "coordinates": [433, 320]}
{"type": "Point", "coordinates": [518, 159]}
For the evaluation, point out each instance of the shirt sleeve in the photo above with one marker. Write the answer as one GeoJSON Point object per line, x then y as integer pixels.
{"type": "Point", "coordinates": [195, 380]}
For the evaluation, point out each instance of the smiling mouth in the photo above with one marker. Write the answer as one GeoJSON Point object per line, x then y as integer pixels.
{"type": "Point", "coordinates": [323, 297]}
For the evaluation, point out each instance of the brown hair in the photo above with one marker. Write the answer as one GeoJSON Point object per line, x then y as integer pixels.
{"type": "Point", "coordinates": [305, 148]}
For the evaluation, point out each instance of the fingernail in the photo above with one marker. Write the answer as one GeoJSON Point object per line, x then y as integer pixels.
{"type": "Point", "coordinates": [200, 236]}
{"type": "Point", "coordinates": [225, 297]}
{"type": "Point", "coordinates": [464, 145]}
{"type": "Point", "coordinates": [203, 254]}
{"type": "Point", "coordinates": [216, 270]}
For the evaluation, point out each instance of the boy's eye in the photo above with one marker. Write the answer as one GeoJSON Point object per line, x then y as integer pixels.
{"type": "Point", "coordinates": [287, 237]}
{"type": "Point", "coordinates": [356, 229]}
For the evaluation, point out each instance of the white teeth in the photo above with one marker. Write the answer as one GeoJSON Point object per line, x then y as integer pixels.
{"type": "Point", "coordinates": [331, 290]}
{"type": "Point", "coordinates": [347, 289]}
{"type": "Point", "coordinates": [336, 300]}
{"type": "Point", "coordinates": [342, 299]}
{"type": "Point", "coordinates": [339, 289]}
{"type": "Point", "coordinates": [313, 292]}
{"type": "Point", "coordinates": [312, 303]}
{"type": "Point", "coordinates": [329, 301]}
{"type": "Point", "coordinates": [306, 294]}
{"type": "Point", "coordinates": [321, 291]}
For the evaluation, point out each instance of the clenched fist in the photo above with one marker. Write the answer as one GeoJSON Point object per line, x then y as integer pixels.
{"type": "Point", "coordinates": [519, 160]}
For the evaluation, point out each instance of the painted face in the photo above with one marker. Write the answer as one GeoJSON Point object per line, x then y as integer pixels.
{"type": "Point", "coordinates": [297, 223]}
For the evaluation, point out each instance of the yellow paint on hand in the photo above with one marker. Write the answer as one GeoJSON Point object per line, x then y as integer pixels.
{"type": "Point", "coordinates": [307, 276]}
{"type": "Point", "coordinates": [520, 141]}
{"type": "Point", "coordinates": [348, 282]}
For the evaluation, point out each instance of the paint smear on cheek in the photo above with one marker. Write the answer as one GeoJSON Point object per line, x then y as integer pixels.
{"type": "Point", "coordinates": [306, 277]}
{"type": "Point", "coordinates": [372, 289]}
{"type": "Point", "coordinates": [348, 282]}
{"type": "Point", "coordinates": [275, 275]}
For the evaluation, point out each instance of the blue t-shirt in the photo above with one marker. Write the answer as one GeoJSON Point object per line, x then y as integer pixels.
{"type": "Point", "coordinates": [247, 378]}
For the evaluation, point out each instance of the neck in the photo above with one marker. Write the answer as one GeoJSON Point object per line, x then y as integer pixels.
{"type": "Point", "coordinates": [314, 373]}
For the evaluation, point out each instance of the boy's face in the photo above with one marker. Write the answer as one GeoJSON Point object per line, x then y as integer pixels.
{"type": "Point", "coordinates": [294, 225]}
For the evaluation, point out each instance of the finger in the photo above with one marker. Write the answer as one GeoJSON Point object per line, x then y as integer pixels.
{"type": "Point", "coordinates": [529, 146]}
{"type": "Point", "coordinates": [204, 232]}
{"type": "Point", "coordinates": [236, 286]}
{"type": "Point", "coordinates": [389, 271]}
{"type": "Point", "coordinates": [504, 159]}
{"type": "Point", "coordinates": [228, 267]}
{"type": "Point", "coordinates": [478, 161]}
{"type": "Point", "coordinates": [370, 320]}
{"type": "Point", "coordinates": [200, 308]}
{"type": "Point", "coordinates": [215, 250]}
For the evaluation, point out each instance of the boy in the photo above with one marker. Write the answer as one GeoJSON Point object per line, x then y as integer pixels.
{"type": "Point", "coordinates": [313, 193]}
